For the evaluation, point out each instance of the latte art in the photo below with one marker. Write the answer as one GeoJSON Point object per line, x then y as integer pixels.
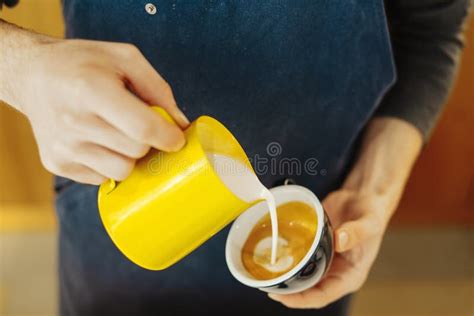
{"type": "Point", "coordinates": [297, 223]}
{"type": "Point", "coordinates": [262, 255]}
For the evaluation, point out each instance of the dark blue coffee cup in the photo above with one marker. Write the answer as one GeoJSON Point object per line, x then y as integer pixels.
{"type": "Point", "coordinates": [306, 273]}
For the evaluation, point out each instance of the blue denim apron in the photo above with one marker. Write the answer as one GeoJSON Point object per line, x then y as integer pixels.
{"type": "Point", "coordinates": [295, 81]}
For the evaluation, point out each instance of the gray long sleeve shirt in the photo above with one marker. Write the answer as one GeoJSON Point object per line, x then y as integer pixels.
{"type": "Point", "coordinates": [427, 40]}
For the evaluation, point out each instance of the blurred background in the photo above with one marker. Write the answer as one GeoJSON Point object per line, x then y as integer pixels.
{"type": "Point", "coordinates": [433, 226]}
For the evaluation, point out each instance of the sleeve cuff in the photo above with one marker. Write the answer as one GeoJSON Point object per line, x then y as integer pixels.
{"type": "Point", "coordinates": [8, 3]}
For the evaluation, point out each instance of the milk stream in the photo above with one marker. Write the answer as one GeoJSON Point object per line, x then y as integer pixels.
{"type": "Point", "coordinates": [246, 185]}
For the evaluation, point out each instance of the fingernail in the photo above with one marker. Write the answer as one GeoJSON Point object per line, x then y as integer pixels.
{"type": "Point", "coordinates": [183, 117]}
{"type": "Point", "coordinates": [343, 239]}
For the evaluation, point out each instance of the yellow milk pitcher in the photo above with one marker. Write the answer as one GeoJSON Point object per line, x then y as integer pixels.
{"type": "Point", "coordinates": [173, 202]}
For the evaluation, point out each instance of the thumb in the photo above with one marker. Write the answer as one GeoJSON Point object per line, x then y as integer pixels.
{"type": "Point", "coordinates": [353, 233]}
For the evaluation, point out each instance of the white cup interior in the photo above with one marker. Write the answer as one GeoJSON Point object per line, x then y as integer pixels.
{"type": "Point", "coordinates": [244, 224]}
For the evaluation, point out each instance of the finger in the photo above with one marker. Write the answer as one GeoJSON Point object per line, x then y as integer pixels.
{"type": "Point", "coordinates": [334, 203]}
{"type": "Point", "coordinates": [316, 297]}
{"type": "Point", "coordinates": [353, 233]}
{"type": "Point", "coordinates": [135, 119]}
{"type": "Point", "coordinates": [329, 290]}
{"type": "Point", "coordinates": [340, 280]}
{"type": "Point", "coordinates": [82, 174]}
{"type": "Point", "coordinates": [95, 130]}
{"type": "Point", "coordinates": [103, 161]}
{"type": "Point", "coordinates": [149, 85]}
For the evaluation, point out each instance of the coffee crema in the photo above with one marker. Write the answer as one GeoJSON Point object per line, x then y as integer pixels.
{"type": "Point", "coordinates": [297, 225]}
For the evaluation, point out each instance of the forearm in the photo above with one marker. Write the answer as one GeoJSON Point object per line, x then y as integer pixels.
{"type": "Point", "coordinates": [389, 149]}
{"type": "Point", "coordinates": [17, 47]}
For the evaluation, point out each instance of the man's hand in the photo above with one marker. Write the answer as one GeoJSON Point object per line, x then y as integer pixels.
{"type": "Point", "coordinates": [88, 103]}
{"type": "Point", "coordinates": [361, 222]}
{"type": "Point", "coordinates": [361, 209]}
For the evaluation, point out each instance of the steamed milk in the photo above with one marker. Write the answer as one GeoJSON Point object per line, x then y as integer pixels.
{"type": "Point", "coordinates": [245, 184]}
{"type": "Point", "coordinates": [297, 224]}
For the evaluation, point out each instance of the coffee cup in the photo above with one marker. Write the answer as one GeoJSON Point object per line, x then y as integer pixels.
{"type": "Point", "coordinates": [309, 270]}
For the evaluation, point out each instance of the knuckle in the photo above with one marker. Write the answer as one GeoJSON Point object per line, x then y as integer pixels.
{"type": "Point", "coordinates": [167, 90]}
{"type": "Point", "coordinates": [67, 118]}
{"type": "Point", "coordinates": [80, 84]}
{"type": "Point", "coordinates": [88, 179]}
{"type": "Point", "coordinates": [57, 148]}
{"type": "Point", "coordinates": [48, 163]}
{"type": "Point", "coordinates": [95, 180]}
{"type": "Point", "coordinates": [67, 148]}
{"type": "Point", "coordinates": [55, 166]}
{"type": "Point", "coordinates": [124, 168]}
{"type": "Point", "coordinates": [88, 176]}
{"type": "Point", "coordinates": [172, 142]}
{"type": "Point", "coordinates": [139, 151]}
{"type": "Point", "coordinates": [146, 131]}
{"type": "Point", "coordinates": [130, 50]}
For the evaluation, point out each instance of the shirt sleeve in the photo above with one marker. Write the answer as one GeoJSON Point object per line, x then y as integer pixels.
{"type": "Point", "coordinates": [427, 41]}
{"type": "Point", "coordinates": [8, 3]}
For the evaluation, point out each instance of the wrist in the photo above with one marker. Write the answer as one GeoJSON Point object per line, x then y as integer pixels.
{"type": "Point", "coordinates": [386, 195]}
{"type": "Point", "coordinates": [20, 50]}
{"type": "Point", "coordinates": [389, 149]}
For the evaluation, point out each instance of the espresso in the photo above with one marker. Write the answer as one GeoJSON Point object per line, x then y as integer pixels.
{"type": "Point", "coordinates": [297, 224]}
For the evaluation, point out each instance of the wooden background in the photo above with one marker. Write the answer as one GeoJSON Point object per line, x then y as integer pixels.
{"type": "Point", "coordinates": [440, 190]}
